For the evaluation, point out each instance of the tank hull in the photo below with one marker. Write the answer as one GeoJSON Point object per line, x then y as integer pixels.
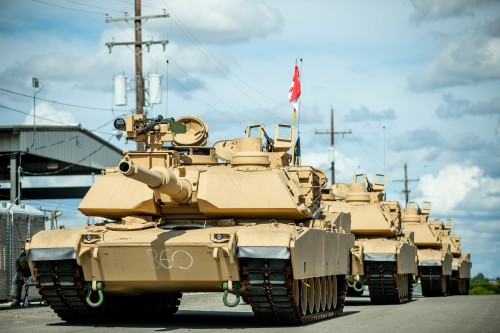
{"type": "Point", "coordinates": [137, 262]}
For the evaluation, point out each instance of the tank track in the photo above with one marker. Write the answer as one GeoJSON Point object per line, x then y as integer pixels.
{"type": "Point", "coordinates": [433, 282]}
{"type": "Point", "coordinates": [60, 283]}
{"type": "Point", "coordinates": [269, 289]}
{"type": "Point", "coordinates": [385, 285]}
{"type": "Point", "coordinates": [458, 286]}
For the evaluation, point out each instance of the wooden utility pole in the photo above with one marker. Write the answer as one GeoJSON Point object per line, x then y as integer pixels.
{"type": "Point", "coordinates": [139, 82]}
{"type": "Point", "coordinates": [332, 143]}
{"type": "Point", "coordinates": [139, 85]}
{"type": "Point", "coordinates": [406, 191]}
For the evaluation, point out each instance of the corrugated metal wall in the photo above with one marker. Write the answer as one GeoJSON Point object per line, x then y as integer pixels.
{"type": "Point", "coordinates": [69, 144]}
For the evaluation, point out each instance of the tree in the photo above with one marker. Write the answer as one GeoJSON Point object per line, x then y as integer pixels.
{"type": "Point", "coordinates": [480, 285]}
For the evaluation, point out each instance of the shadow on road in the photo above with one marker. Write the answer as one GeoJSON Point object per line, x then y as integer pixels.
{"type": "Point", "coordinates": [188, 319]}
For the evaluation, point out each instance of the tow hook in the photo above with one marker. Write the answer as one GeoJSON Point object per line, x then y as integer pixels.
{"type": "Point", "coordinates": [99, 286]}
{"type": "Point", "coordinates": [357, 284]}
{"type": "Point", "coordinates": [234, 288]}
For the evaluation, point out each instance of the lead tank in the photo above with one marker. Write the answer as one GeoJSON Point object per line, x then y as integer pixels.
{"type": "Point", "coordinates": [384, 258]}
{"type": "Point", "coordinates": [433, 254]}
{"type": "Point", "coordinates": [234, 218]}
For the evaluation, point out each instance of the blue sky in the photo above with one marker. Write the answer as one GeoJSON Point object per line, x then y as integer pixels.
{"type": "Point", "coordinates": [427, 71]}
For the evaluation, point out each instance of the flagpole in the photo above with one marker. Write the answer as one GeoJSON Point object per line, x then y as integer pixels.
{"type": "Point", "coordinates": [294, 96]}
{"type": "Point", "coordinates": [294, 120]}
{"type": "Point", "coordinates": [298, 124]}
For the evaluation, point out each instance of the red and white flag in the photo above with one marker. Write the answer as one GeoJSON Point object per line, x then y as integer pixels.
{"type": "Point", "coordinates": [294, 92]}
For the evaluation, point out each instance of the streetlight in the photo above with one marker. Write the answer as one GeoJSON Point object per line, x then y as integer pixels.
{"type": "Point", "coordinates": [36, 84]}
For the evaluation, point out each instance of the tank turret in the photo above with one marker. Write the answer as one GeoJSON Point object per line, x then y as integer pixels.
{"type": "Point", "coordinates": [381, 246]}
{"type": "Point", "coordinates": [180, 216]}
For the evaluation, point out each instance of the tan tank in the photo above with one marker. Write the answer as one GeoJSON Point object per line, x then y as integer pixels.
{"type": "Point", "coordinates": [433, 255]}
{"type": "Point", "coordinates": [461, 267]}
{"type": "Point", "coordinates": [384, 258]}
{"type": "Point", "coordinates": [180, 220]}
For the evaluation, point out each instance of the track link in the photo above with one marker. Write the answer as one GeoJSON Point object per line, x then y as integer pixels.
{"type": "Point", "coordinates": [269, 289]}
{"type": "Point", "coordinates": [60, 283]}
{"type": "Point", "coordinates": [433, 282]}
{"type": "Point", "coordinates": [385, 285]}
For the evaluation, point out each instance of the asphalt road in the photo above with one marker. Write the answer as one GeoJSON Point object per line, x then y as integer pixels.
{"type": "Point", "coordinates": [206, 313]}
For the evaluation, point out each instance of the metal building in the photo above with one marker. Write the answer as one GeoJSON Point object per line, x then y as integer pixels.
{"type": "Point", "coordinates": [51, 151]}
{"type": "Point", "coordinates": [41, 151]}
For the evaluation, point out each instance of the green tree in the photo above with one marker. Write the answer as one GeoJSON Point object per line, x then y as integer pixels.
{"type": "Point", "coordinates": [480, 285]}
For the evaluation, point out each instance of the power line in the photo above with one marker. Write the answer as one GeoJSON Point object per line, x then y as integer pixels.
{"type": "Point", "coordinates": [60, 103]}
{"type": "Point", "coordinates": [69, 8]}
{"type": "Point", "coordinates": [194, 80]}
{"type": "Point", "coordinates": [29, 114]}
{"type": "Point", "coordinates": [87, 5]}
{"type": "Point", "coordinates": [67, 167]}
{"type": "Point", "coordinates": [218, 65]}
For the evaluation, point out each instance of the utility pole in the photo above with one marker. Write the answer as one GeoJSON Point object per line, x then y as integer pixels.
{"type": "Point", "coordinates": [332, 143]}
{"type": "Point", "coordinates": [406, 191]}
{"type": "Point", "coordinates": [139, 82]}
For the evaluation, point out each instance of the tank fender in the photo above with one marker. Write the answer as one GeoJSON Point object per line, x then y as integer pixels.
{"type": "Point", "coordinates": [431, 257]}
{"type": "Point", "coordinates": [265, 241]}
{"type": "Point", "coordinates": [316, 252]}
{"type": "Point", "coordinates": [57, 244]}
{"type": "Point", "coordinates": [391, 250]}
{"type": "Point", "coordinates": [463, 267]}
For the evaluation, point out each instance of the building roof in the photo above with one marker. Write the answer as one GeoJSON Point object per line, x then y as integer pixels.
{"type": "Point", "coordinates": [54, 151]}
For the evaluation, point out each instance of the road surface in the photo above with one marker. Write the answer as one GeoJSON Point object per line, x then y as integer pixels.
{"type": "Point", "coordinates": [206, 313]}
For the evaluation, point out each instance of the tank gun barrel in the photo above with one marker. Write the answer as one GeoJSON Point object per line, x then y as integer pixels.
{"type": "Point", "coordinates": [158, 179]}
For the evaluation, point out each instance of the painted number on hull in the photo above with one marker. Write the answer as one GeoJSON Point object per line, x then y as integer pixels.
{"type": "Point", "coordinates": [167, 259]}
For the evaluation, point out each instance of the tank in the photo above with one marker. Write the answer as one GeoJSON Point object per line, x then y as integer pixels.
{"type": "Point", "coordinates": [384, 258]}
{"type": "Point", "coordinates": [461, 267]}
{"type": "Point", "coordinates": [433, 255]}
{"type": "Point", "coordinates": [235, 218]}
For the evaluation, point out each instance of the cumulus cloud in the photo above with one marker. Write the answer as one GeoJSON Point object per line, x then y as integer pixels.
{"type": "Point", "coordinates": [450, 187]}
{"type": "Point", "coordinates": [345, 166]}
{"type": "Point", "coordinates": [459, 107]}
{"type": "Point", "coordinates": [469, 59]}
{"type": "Point", "coordinates": [220, 21]}
{"type": "Point", "coordinates": [48, 115]}
{"type": "Point", "coordinates": [432, 10]}
{"type": "Point", "coordinates": [363, 114]}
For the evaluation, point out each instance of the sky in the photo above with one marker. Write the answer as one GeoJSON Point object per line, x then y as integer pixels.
{"type": "Point", "coordinates": [415, 81]}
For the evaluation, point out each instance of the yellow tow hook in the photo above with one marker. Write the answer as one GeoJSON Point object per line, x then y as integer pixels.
{"type": "Point", "coordinates": [234, 288]}
{"type": "Point", "coordinates": [99, 286]}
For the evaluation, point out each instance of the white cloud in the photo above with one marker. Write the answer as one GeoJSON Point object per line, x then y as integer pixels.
{"type": "Point", "coordinates": [449, 188]}
{"type": "Point", "coordinates": [48, 115]}
{"type": "Point", "coordinates": [345, 166]}
{"type": "Point", "coordinates": [220, 21]}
